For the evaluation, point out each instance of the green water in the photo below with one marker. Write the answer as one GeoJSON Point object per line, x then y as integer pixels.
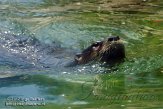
{"type": "Point", "coordinates": [72, 24]}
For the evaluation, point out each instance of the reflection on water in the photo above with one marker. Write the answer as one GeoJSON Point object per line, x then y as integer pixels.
{"type": "Point", "coordinates": [26, 90]}
{"type": "Point", "coordinates": [69, 26]}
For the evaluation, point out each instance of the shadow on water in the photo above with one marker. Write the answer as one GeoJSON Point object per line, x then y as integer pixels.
{"type": "Point", "coordinates": [69, 26]}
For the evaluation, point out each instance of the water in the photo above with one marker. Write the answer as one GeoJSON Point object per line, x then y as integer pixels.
{"type": "Point", "coordinates": [66, 28]}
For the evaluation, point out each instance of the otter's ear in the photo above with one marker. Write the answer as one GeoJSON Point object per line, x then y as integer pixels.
{"type": "Point", "coordinates": [78, 57]}
{"type": "Point", "coordinates": [117, 38]}
{"type": "Point", "coordinates": [110, 39]}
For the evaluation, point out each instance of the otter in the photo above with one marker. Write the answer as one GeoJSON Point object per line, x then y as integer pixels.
{"type": "Point", "coordinates": [110, 51]}
{"type": "Point", "coordinates": [24, 51]}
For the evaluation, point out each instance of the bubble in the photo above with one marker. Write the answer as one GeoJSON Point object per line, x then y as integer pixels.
{"type": "Point", "coordinates": [122, 105]}
{"type": "Point", "coordinates": [78, 3]}
{"type": "Point", "coordinates": [93, 66]}
{"type": "Point", "coordinates": [79, 70]}
{"type": "Point", "coordinates": [64, 72]}
{"type": "Point", "coordinates": [63, 95]}
{"type": "Point", "coordinates": [123, 23]}
{"type": "Point", "coordinates": [129, 101]}
{"type": "Point", "coordinates": [69, 107]}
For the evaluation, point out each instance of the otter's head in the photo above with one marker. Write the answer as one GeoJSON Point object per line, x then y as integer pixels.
{"type": "Point", "coordinates": [110, 50]}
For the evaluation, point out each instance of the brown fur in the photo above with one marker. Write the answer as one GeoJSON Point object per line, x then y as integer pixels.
{"type": "Point", "coordinates": [109, 50]}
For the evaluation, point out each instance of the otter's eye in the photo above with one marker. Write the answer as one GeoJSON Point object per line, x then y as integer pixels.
{"type": "Point", "coordinates": [78, 55]}
{"type": "Point", "coordinates": [96, 44]}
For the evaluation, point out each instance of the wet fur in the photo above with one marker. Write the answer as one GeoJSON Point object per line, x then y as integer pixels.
{"type": "Point", "coordinates": [108, 51]}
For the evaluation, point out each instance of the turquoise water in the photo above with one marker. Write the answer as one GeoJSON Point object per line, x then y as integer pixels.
{"type": "Point", "coordinates": [72, 26]}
